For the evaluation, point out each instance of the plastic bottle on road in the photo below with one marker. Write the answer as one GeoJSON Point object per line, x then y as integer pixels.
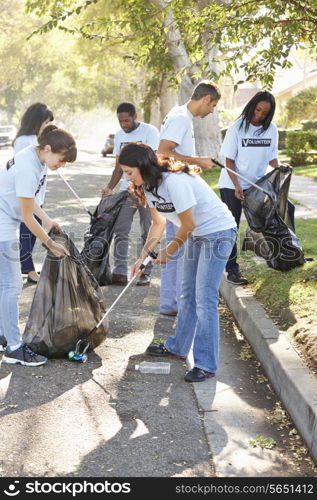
{"type": "Point", "coordinates": [156, 367]}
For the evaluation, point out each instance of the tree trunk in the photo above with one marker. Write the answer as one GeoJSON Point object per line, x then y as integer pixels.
{"type": "Point", "coordinates": [206, 130]}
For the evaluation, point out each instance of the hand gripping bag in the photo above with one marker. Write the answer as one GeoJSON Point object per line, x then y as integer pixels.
{"type": "Point", "coordinates": [67, 304]}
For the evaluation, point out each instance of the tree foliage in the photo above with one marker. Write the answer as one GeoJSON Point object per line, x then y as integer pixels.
{"type": "Point", "coordinates": [254, 36]}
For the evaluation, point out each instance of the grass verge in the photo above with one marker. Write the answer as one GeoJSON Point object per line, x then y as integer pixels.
{"type": "Point", "coordinates": [290, 297]}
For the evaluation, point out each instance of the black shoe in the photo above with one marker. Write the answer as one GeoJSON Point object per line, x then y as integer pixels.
{"type": "Point", "coordinates": [143, 280]}
{"type": "Point", "coordinates": [24, 356]}
{"type": "Point", "coordinates": [168, 313]}
{"type": "Point", "coordinates": [197, 375]}
{"type": "Point", "coordinates": [237, 279]}
{"type": "Point", "coordinates": [160, 350]}
{"type": "Point", "coordinates": [3, 343]}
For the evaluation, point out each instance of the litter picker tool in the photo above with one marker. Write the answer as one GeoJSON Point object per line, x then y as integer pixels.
{"type": "Point", "coordinates": [82, 345]}
{"type": "Point", "coordinates": [241, 177]}
{"type": "Point", "coordinates": [74, 193]}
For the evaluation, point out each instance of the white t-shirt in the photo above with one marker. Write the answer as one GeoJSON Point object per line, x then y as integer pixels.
{"type": "Point", "coordinates": [250, 151]}
{"type": "Point", "coordinates": [178, 127]}
{"type": "Point", "coordinates": [144, 133]}
{"type": "Point", "coordinates": [180, 191]}
{"type": "Point", "coordinates": [24, 141]}
{"type": "Point", "coordinates": [22, 177]}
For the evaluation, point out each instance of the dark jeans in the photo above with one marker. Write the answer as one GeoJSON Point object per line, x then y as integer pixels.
{"type": "Point", "coordinates": [235, 207]}
{"type": "Point", "coordinates": [27, 242]}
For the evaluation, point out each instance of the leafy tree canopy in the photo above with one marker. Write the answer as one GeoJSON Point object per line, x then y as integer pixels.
{"type": "Point", "coordinates": [254, 36]}
{"type": "Point", "coordinates": [303, 106]}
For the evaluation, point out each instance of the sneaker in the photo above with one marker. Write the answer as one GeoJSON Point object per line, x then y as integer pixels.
{"type": "Point", "coordinates": [237, 279]}
{"type": "Point", "coordinates": [24, 356]}
{"type": "Point", "coordinates": [3, 343]}
{"type": "Point", "coordinates": [168, 313]}
{"type": "Point", "coordinates": [160, 350]}
{"type": "Point", "coordinates": [143, 280]}
{"type": "Point", "coordinates": [197, 375]}
{"type": "Point", "coordinates": [119, 279]}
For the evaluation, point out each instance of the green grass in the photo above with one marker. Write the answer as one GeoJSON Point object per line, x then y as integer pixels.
{"type": "Point", "coordinates": [307, 171]}
{"type": "Point", "coordinates": [212, 178]}
{"type": "Point", "coordinates": [290, 296]}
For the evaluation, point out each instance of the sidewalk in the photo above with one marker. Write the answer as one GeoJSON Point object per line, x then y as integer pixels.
{"type": "Point", "coordinates": [294, 384]}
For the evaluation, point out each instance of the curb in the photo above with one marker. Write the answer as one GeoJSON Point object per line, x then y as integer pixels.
{"type": "Point", "coordinates": [294, 384]}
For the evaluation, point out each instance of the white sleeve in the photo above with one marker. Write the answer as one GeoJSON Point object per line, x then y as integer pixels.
{"type": "Point", "coordinates": [229, 148]}
{"type": "Point", "coordinates": [153, 138]}
{"type": "Point", "coordinates": [274, 144]}
{"type": "Point", "coordinates": [180, 191]}
{"type": "Point", "coordinates": [116, 148]}
{"type": "Point", "coordinates": [175, 129]}
{"type": "Point", "coordinates": [26, 181]}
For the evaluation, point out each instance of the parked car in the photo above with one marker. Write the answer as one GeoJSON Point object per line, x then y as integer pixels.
{"type": "Point", "coordinates": [7, 134]}
{"type": "Point", "coordinates": [108, 146]}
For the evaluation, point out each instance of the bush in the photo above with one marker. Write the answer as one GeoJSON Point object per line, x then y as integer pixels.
{"type": "Point", "coordinates": [302, 106]}
{"type": "Point", "coordinates": [298, 144]}
{"type": "Point", "coordinates": [309, 125]}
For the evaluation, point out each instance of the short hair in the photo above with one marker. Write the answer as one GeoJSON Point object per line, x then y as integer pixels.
{"type": "Point", "coordinates": [126, 107]}
{"type": "Point", "coordinates": [206, 87]}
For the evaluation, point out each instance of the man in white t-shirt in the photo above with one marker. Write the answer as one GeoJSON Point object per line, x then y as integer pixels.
{"type": "Point", "coordinates": [177, 141]}
{"type": "Point", "coordinates": [131, 131]}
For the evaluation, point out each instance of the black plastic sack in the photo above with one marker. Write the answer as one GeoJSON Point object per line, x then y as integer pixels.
{"type": "Point", "coordinates": [67, 305]}
{"type": "Point", "coordinates": [269, 234]}
{"type": "Point", "coordinates": [99, 236]}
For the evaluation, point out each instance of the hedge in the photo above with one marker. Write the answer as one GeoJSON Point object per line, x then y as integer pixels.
{"type": "Point", "coordinates": [301, 146]}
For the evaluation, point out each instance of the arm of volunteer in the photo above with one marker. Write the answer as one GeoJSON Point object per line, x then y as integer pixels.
{"type": "Point", "coordinates": [186, 228]}
{"type": "Point", "coordinates": [115, 178]}
{"type": "Point", "coordinates": [153, 238]}
{"type": "Point", "coordinates": [166, 148]}
{"type": "Point", "coordinates": [27, 211]}
{"type": "Point", "coordinates": [238, 189]}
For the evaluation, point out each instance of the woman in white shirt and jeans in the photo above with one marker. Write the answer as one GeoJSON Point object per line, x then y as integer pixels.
{"type": "Point", "coordinates": [175, 193]}
{"type": "Point", "coordinates": [19, 183]}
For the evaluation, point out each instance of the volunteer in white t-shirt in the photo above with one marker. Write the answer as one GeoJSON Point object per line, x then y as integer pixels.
{"type": "Point", "coordinates": [131, 131]}
{"type": "Point", "coordinates": [20, 181]}
{"type": "Point", "coordinates": [33, 121]}
{"type": "Point", "coordinates": [177, 140]}
{"type": "Point", "coordinates": [175, 193]}
{"type": "Point", "coordinates": [250, 145]}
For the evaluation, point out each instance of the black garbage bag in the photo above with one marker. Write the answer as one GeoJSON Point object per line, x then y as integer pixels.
{"type": "Point", "coordinates": [99, 236]}
{"type": "Point", "coordinates": [67, 304]}
{"type": "Point", "coordinates": [270, 234]}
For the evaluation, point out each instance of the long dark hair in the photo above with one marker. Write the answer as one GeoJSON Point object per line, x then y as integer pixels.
{"type": "Point", "coordinates": [33, 119]}
{"type": "Point", "coordinates": [60, 141]}
{"type": "Point", "coordinates": [248, 111]}
{"type": "Point", "coordinates": [150, 166]}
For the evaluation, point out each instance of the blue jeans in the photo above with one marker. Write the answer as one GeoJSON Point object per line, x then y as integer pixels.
{"type": "Point", "coordinates": [10, 289]}
{"type": "Point", "coordinates": [198, 321]}
{"type": "Point", "coordinates": [171, 275]}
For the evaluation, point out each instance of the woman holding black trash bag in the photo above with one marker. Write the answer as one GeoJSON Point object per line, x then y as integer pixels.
{"type": "Point", "coordinates": [249, 147]}
{"type": "Point", "coordinates": [20, 182]}
{"type": "Point", "coordinates": [176, 193]}
{"type": "Point", "coordinates": [33, 121]}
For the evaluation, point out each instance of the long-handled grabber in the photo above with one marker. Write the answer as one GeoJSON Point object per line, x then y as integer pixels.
{"type": "Point", "coordinates": [79, 354]}
{"type": "Point", "coordinates": [242, 177]}
{"type": "Point", "coordinates": [74, 193]}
